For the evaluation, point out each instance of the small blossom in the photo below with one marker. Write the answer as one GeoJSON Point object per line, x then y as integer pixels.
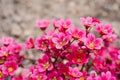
{"type": "Point", "coordinates": [54, 75]}
{"type": "Point", "coordinates": [15, 48]}
{"type": "Point", "coordinates": [2, 74]}
{"type": "Point", "coordinates": [42, 24]}
{"type": "Point", "coordinates": [93, 76]}
{"type": "Point", "coordinates": [74, 72]}
{"type": "Point", "coordinates": [4, 51]}
{"type": "Point", "coordinates": [29, 44]}
{"type": "Point", "coordinates": [6, 40]}
{"type": "Point", "coordinates": [61, 40]}
{"type": "Point", "coordinates": [76, 34]}
{"type": "Point", "coordinates": [10, 67]}
{"type": "Point", "coordinates": [41, 44]}
{"type": "Point", "coordinates": [57, 23]}
{"type": "Point", "coordinates": [110, 37]}
{"type": "Point", "coordinates": [107, 76]}
{"type": "Point", "coordinates": [104, 29]}
{"type": "Point", "coordinates": [19, 77]}
{"type": "Point", "coordinates": [44, 64]}
{"type": "Point", "coordinates": [93, 43]}
{"type": "Point", "coordinates": [80, 59]}
{"type": "Point", "coordinates": [87, 22]}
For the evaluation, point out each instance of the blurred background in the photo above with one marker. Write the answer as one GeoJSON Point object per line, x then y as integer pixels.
{"type": "Point", "coordinates": [18, 17]}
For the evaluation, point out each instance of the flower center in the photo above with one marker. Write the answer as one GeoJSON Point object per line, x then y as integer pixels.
{"type": "Point", "coordinates": [31, 45]}
{"type": "Point", "coordinates": [5, 54]}
{"type": "Point", "coordinates": [1, 61]}
{"type": "Point", "coordinates": [65, 26]}
{"type": "Point", "coordinates": [39, 78]}
{"type": "Point", "coordinates": [46, 65]}
{"type": "Point", "coordinates": [74, 75]}
{"type": "Point", "coordinates": [63, 43]}
{"type": "Point", "coordinates": [91, 45]}
{"type": "Point", "coordinates": [95, 52]}
{"type": "Point", "coordinates": [82, 78]}
{"type": "Point", "coordinates": [10, 69]}
{"type": "Point", "coordinates": [43, 45]}
{"type": "Point", "coordinates": [80, 51]}
{"type": "Point", "coordinates": [104, 31]}
{"type": "Point", "coordinates": [76, 36]}
{"type": "Point", "coordinates": [54, 78]}
{"type": "Point", "coordinates": [78, 60]}
{"type": "Point", "coordinates": [95, 64]}
{"type": "Point", "coordinates": [1, 74]}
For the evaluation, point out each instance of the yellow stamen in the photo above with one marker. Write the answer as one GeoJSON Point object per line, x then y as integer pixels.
{"type": "Point", "coordinates": [5, 54]}
{"type": "Point", "coordinates": [74, 75]}
{"type": "Point", "coordinates": [39, 78]}
{"type": "Point", "coordinates": [46, 65]}
{"type": "Point", "coordinates": [95, 64]}
{"type": "Point", "coordinates": [63, 43]}
{"type": "Point", "coordinates": [54, 78]}
{"type": "Point", "coordinates": [79, 60]}
{"type": "Point", "coordinates": [82, 78]}
{"type": "Point", "coordinates": [80, 51]}
{"type": "Point", "coordinates": [43, 45]}
{"type": "Point", "coordinates": [95, 52]}
{"type": "Point", "coordinates": [10, 69]}
{"type": "Point", "coordinates": [104, 31]}
{"type": "Point", "coordinates": [1, 61]}
{"type": "Point", "coordinates": [70, 50]}
{"type": "Point", "coordinates": [117, 61]}
{"type": "Point", "coordinates": [91, 45]}
{"type": "Point", "coordinates": [76, 36]}
{"type": "Point", "coordinates": [1, 74]}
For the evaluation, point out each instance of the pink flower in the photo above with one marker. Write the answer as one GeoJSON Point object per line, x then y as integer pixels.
{"type": "Point", "coordinates": [10, 67]}
{"type": "Point", "coordinates": [107, 76]}
{"type": "Point", "coordinates": [40, 77]}
{"type": "Point", "coordinates": [104, 29]}
{"type": "Point", "coordinates": [15, 48]}
{"type": "Point", "coordinates": [80, 59]}
{"type": "Point", "coordinates": [4, 51]}
{"type": "Point", "coordinates": [54, 75]}
{"type": "Point", "coordinates": [42, 24]}
{"type": "Point", "coordinates": [35, 74]}
{"type": "Point", "coordinates": [64, 25]}
{"type": "Point", "coordinates": [76, 34]}
{"type": "Point", "coordinates": [119, 56]}
{"type": "Point", "coordinates": [60, 40]}
{"type": "Point", "coordinates": [41, 44]}
{"type": "Point", "coordinates": [96, 63]}
{"type": "Point", "coordinates": [93, 43]}
{"type": "Point", "coordinates": [82, 77]}
{"type": "Point", "coordinates": [18, 77]}
{"type": "Point", "coordinates": [6, 40]}
{"type": "Point", "coordinates": [57, 23]}
{"type": "Point", "coordinates": [2, 60]}
{"type": "Point", "coordinates": [110, 37]}
{"type": "Point", "coordinates": [74, 72]}
{"type": "Point", "coordinates": [2, 74]}
{"type": "Point", "coordinates": [44, 64]}
{"type": "Point", "coordinates": [96, 21]}
{"type": "Point", "coordinates": [93, 76]}
{"type": "Point", "coordinates": [87, 22]}
{"type": "Point", "coordinates": [29, 44]}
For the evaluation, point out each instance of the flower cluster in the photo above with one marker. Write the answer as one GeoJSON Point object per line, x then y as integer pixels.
{"type": "Point", "coordinates": [10, 58]}
{"type": "Point", "coordinates": [67, 53]}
